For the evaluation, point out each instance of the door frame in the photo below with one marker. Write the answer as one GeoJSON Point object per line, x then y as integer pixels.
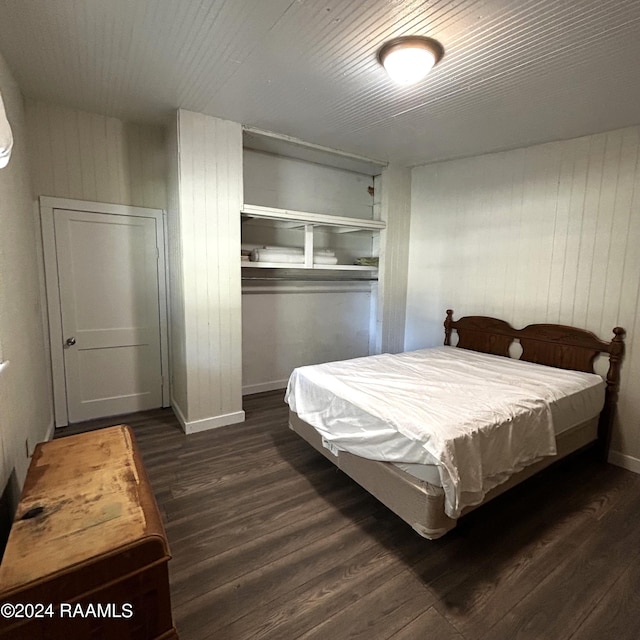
{"type": "Point", "coordinates": [47, 207]}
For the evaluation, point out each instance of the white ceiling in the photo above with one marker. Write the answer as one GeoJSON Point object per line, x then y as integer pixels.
{"type": "Point", "coordinates": [515, 72]}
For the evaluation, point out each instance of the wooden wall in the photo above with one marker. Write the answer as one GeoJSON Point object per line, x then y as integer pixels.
{"type": "Point", "coordinates": [86, 156]}
{"type": "Point", "coordinates": [26, 408]}
{"type": "Point", "coordinates": [288, 325]}
{"type": "Point", "coordinates": [177, 337]}
{"type": "Point", "coordinates": [289, 183]}
{"type": "Point", "coordinates": [549, 233]}
{"type": "Point", "coordinates": [393, 189]}
{"type": "Point", "coordinates": [209, 203]}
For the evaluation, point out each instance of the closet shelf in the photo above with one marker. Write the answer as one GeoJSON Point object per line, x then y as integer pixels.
{"type": "Point", "coordinates": [310, 224]}
{"type": "Point", "coordinates": [324, 267]}
{"type": "Point", "coordinates": [303, 218]}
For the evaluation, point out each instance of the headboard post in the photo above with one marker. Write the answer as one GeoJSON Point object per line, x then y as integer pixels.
{"type": "Point", "coordinates": [447, 327]}
{"type": "Point", "coordinates": [616, 353]}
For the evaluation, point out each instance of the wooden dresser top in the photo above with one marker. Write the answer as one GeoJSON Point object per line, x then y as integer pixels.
{"type": "Point", "coordinates": [95, 498]}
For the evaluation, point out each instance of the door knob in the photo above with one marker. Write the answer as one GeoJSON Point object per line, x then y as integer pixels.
{"type": "Point", "coordinates": [71, 342]}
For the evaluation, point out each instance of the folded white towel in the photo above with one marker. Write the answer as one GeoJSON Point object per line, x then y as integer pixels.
{"type": "Point", "coordinates": [318, 259]}
{"type": "Point", "coordinates": [268, 255]}
{"type": "Point", "coordinates": [297, 250]}
{"type": "Point", "coordinates": [292, 250]}
{"type": "Point", "coordinates": [248, 247]}
{"type": "Point", "coordinates": [6, 137]}
{"type": "Point", "coordinates": [271, 255]}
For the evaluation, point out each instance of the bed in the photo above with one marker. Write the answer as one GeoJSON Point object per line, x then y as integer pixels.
{"type": "Point", "coordinates": [435, 433]}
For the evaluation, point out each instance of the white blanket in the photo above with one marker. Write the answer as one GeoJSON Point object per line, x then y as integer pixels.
{"type": "Point", "coordinates": [480, 418]}
{"type": "Point", "coordinates": [288, 257]}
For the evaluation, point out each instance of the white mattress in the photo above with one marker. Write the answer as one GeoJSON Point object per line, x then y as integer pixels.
{"type": "Point", "coordinates": [436, 408]}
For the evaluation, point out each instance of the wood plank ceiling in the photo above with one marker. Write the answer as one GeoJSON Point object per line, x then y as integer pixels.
{"type": "Point", "coordinates": [515, 72]}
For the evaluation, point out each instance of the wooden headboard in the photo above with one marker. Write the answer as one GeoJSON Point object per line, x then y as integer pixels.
{"type": "Point", "coordinates": [554, 345]}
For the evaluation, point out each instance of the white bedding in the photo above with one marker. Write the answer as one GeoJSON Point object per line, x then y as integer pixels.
{"type": "Point", "coordinates": [479, 418]}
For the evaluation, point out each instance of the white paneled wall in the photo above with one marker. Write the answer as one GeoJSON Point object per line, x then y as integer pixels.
{"type": "Point", "coordinates": [394, 189]}
{"type": "Point", "coordinates": [86, 156]}
{"type": "Point", "coordinates": [177, 338]}
{"type": "Point", "coordinates": [208, 211]}
{"type": "Point", "coordinates": [292, 324]}
{"type": "Point", "coordinates": [549, 233]}
{"type": "Point", "coordinates": [298, 324]}
{"type": "Point", "coordinates": [26, 411]}
{"type": "Point", "coordinates": [288, 183]}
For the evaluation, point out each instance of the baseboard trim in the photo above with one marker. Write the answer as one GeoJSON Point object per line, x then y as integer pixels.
{"type": "Point", "coordinates": [264, 386]}
{"type": "Point", "coordinates": [175, 407]}
{"type": "Point", "coordinates": [50, 431]}
{"type": "Point", "coordinates": [626, 462]}
{"type": "Point", "coordinates": [215, 422]}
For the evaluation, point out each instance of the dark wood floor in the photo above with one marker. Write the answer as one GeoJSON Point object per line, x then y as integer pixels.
{"type": "Point", "coordinates": [269, 540]}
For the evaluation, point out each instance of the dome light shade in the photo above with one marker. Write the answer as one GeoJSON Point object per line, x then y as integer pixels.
{"type": "Point", "coordinates": [409, 59]}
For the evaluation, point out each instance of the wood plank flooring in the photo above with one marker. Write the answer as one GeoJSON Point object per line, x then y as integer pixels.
{"type": "Point", "coordinates": [269, 540]}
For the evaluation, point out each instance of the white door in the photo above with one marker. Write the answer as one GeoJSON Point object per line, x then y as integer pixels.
{"type": "Point", "coordinates": [109, 301]}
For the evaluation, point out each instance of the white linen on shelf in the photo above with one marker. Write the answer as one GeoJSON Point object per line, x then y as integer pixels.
{"type": "Point", "coordinates": [277, 255]}
{"type": "Point", "coordinates": [318, 258]}
{"type": "Point", "coordinates": [265, 255]}
{"type": "Point", "coordinates": [248, 247]}
{"type": "Point", "coordinates": [479, 418]}
{"type": "Point", "coordinates": [298, 250]}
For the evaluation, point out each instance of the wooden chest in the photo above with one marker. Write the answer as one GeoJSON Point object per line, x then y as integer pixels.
{"type": "Point", "coordinates": [87, 554]}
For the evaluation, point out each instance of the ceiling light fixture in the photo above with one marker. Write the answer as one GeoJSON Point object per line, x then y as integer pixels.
{"type": "Point", "coordinates": [408, 59]}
